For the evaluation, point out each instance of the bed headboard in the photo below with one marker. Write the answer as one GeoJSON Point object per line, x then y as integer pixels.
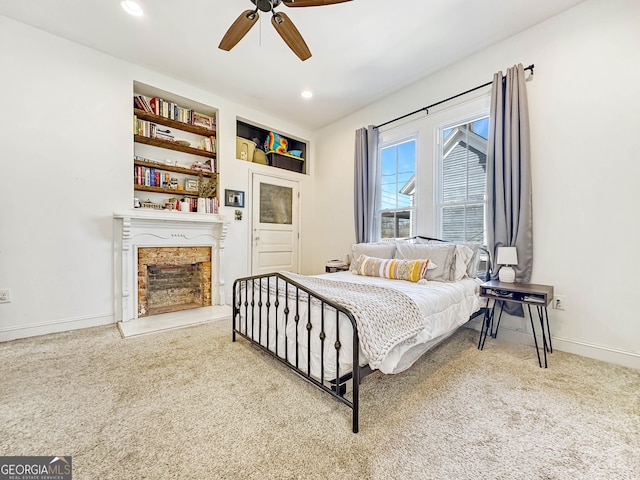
{"type": "Point", "coordinates": [489, 269]}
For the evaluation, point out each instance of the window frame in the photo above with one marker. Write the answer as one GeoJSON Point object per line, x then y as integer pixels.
{"type": "Point", "coordinates": [439, 155]}
{"type": "Point", "coordinates": [384, 143]}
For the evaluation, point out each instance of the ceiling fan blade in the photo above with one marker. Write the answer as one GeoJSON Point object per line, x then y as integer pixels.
{"type": "Point", "coordinates": [290, 35]}
{"type": "Point", "coordinates": [239, 29]}
{"type": "Point", "coordinates": [311, 3]}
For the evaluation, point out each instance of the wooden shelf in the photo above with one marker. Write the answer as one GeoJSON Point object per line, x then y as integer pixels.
{"type": "Point", "coordinates": [197, 136]}
{"type": "Point", "coordinates": [185, 127]}
{"type": "Point", "coordinates": [525, 293]}
{"type": "Point", "coordinates": [172, 146]}
{"type": "Point", "coordinates": [169, 191]}
{"type": "Point", "coordinates": [171, 168]}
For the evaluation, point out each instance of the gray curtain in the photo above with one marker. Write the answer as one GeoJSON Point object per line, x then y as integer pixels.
{"type": "Point", "coordinates": [509, 220]}
{"type": "Point", "coordinates": [365, 182]}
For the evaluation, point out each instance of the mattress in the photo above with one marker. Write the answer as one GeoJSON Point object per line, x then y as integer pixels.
{"type": "Point", "coordinates": [444, 307]}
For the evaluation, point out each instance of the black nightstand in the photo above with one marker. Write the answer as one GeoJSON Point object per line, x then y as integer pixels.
{"type": "Point", "coordinates": [527, 294]}
{"type": "Point", "coordinates": [336, 268]}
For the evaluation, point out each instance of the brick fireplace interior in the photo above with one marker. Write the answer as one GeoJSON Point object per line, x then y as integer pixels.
{"type": "Point", "coordinates": [171, 279]}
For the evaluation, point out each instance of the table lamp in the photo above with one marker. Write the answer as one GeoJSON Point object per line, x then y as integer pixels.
{"type": "Point", "coordinates": [506, 257]}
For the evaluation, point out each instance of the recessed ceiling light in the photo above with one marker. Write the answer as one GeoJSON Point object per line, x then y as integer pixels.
{"type": "Point", "coordinates": [131, 8]}
{"type": "Point", "coordinates": [306, 94]}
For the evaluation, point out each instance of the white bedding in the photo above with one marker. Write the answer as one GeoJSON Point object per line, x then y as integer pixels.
{"type": "Point", "coordinates": [444, 307]}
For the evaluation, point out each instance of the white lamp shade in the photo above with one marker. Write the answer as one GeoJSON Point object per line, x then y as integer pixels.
{"type": "Point", "coordinates": [507, 256]}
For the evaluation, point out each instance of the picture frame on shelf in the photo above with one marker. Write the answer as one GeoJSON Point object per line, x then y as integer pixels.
{"type": "Point", "coordinates": [201, 120]}
{"type": "Point", "coordinates": [234, 198]}
{"type": "Point", "coordinates": [191, 185]}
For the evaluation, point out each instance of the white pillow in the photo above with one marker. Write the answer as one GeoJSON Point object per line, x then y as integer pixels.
{"type": "Point", "coordinates": [373, 249]}
{"type": "Point", "coordinates": [461, 264]}
{"type": "Point", "coordinates": [474, 261]}
{"type": "Point", "coordinates": [443, 255]}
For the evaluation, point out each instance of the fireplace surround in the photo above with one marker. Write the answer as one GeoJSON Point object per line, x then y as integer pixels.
{"type": "Point", "coordinates": [137, 231]}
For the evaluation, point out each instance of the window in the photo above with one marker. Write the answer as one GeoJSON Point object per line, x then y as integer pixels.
{"type": "Point", "coordinates": [398, 185]}
{"type": "Point", "coordinates": [462, 180]}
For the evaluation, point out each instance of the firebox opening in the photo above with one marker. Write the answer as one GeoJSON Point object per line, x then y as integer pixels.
{"type": "Point", "coordinates": [171, 288]}
{"type": "Point", "coordinates": [172, 279]}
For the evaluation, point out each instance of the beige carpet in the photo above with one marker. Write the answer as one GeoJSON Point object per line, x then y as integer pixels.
{"type": "Point", "coordinates": [190, 404]}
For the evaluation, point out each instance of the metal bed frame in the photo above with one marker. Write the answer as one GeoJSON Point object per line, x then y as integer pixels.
{"type": "Point", "coordinates": [329, 311]}
{"type": "Point", "coordinates": [252, 300]}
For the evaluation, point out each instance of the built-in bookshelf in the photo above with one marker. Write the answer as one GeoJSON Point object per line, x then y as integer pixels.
{"type": "Point", "coordinates": [174, 152]}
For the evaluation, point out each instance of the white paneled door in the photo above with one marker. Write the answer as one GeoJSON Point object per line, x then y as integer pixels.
{"type": "Point", "coordinates": [275, 225]}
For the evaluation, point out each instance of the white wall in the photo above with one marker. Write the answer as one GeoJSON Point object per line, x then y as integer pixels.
{"type": "Point", "coordinates": [584, 105]}
{"type": "Point", "coordinates": [65, 167]}
{"type": "Point", "coordinates": [65, 160]}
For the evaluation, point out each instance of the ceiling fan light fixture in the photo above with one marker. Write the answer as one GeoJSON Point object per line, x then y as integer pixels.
{"type": "Point", "coordinates": [131, 7]}
{"type": "Point", "coordinates": [306, 94]}
{"type": "Point", "coordinates": [281, 22]}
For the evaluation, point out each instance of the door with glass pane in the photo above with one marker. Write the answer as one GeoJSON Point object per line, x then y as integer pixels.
{"type": "Point", "coordinates": [275, 225]}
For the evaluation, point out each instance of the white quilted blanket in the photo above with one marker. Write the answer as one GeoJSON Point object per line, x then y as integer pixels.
{"type": "Point", "coordinates": [385, 317]}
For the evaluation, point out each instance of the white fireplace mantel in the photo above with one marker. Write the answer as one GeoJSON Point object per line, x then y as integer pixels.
{"type": "Point", "coordinates": [148, 228]}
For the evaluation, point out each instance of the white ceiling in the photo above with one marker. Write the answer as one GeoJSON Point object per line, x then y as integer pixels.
{"type": "Point", "coordinates": [362, 50]}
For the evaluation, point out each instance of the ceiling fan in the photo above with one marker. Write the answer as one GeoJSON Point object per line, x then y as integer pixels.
{"type": "Point", "coordinates": [279, 20]}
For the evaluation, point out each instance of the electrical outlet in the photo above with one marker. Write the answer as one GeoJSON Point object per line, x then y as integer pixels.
{"type": "Point", "coordinates": [559, 302]}
{"type": "Point", "coordinates": [5, 295]}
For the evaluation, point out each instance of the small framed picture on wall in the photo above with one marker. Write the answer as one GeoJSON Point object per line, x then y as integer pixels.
{"type": "Point", "coordinates": [234, 198]}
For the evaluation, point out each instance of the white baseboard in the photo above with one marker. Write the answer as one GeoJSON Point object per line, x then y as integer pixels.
{"type": "Point", "coordinates": [598, 352]}
{"type": "Point", "coordinates": [56, 326]}
{"type": "Point", "coordinates": [584, 349]}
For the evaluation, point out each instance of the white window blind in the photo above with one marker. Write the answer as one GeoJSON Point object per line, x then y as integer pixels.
{"type": "Point", "coordinates": [462, 162]}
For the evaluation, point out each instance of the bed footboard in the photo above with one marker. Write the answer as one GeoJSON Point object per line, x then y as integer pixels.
{"type": "Point", "coordinates": [303, 330]}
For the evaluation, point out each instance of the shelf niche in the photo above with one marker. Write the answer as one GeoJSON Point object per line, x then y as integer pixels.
{"type": "Point", "coordinates": [254, 132]}
{"type": "Point", "coordinates": [171, 156]}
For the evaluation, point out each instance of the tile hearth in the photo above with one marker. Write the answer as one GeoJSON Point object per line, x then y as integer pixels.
{"type": "Point", "coordinates": [168, 321]}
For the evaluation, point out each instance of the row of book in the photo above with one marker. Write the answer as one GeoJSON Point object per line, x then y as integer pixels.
{"type": "Point", "coordinates": [211, 205]}
{"type": "Point", "coordinates": [156, 177]}
{"type": "Point", "coordinates": [151, 130]}
{"type": "Point", "coordinates": [208, 144]}
{"type": "Point", "coordinates": [189, 204]}
{"type": "Point", "coordinates": [173, 111]}
{"type": "Point", "coordinates": [152, 177]}
{"type": "Point", "coordinates": [207, 166]}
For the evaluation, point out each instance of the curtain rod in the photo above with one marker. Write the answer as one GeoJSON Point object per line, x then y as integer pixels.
{"type": "Point", "coordinates": [530, 67]}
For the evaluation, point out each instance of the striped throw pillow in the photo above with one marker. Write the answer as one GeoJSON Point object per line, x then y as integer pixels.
{"type": "Point", "coordinates": [411, 270]}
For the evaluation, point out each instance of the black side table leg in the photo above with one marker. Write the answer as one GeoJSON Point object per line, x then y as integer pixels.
{"type": "Point", "coordinates": [494, 334]}
{"type": "Point", "coordinates": [545, 345]}
{"type": "Point", "coordinates": [487, 320]}
{"type": "Point", "coordinates": [546, 317]}
{"type": "Point", "coordinates": [535, 339]}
